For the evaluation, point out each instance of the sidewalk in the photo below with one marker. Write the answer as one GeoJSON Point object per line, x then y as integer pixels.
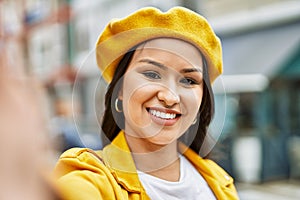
{"type": "Point", "coordinates": [278, 190]}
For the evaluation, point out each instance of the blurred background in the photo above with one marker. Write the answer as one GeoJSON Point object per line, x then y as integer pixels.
{"type": "Point", "coordinates": [54, 40]}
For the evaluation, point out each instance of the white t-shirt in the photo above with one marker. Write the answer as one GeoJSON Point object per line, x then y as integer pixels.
{"type": "Point", "coordinates": [191, 185]}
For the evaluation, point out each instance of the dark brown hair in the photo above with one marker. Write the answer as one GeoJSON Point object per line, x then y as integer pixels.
{"type": "Point", "coordinates": [113, 122]}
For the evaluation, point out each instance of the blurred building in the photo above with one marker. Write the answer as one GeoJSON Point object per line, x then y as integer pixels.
{"type": "Point", "coordinates": [55, 41]}
{"type": "Point", "coordinates": [261, 75]}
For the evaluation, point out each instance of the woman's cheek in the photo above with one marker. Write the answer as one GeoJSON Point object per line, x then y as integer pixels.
{"type": "Point", "coordinates": [193, 100]}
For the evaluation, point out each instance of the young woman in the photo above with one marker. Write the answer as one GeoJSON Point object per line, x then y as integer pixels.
{"type": "Point", "coordinates": [159, 103]}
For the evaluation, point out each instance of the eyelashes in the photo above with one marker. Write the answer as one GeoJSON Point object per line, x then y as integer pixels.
{"type": "Point", "coordinates": [151, 75]}
{"type": "Point", "coordinates": [187, 81]}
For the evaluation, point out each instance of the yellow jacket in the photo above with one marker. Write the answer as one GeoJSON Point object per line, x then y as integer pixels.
{"type": "Point", "coordinates": [111, 174]}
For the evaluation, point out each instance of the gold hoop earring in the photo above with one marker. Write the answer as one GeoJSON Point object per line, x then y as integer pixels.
{"type": "Point", "coordinates": [116, 105]}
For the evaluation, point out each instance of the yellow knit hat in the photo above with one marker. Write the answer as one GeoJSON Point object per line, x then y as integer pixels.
{"type": "Point", "coordinates": [120, 35]}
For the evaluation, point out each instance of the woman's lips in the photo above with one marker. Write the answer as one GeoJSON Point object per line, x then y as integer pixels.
{"type": "Point", "coordinates": [163, 116]}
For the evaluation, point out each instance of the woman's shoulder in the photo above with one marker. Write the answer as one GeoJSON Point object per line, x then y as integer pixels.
{"type": "Point", "coordinates": [218, 179]}
{"type": "Point", "coordinates": [79, 159]}
{"type": "Point", "coordinates": [81, 174]}
{"type": "Point", "coordinates": [81, 154]}
{"type": "Point", "coordinates": [207, 166]}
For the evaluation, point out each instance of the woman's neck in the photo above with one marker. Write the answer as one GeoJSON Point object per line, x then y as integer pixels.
{"type": "Point", "coordinates": [161, 161]}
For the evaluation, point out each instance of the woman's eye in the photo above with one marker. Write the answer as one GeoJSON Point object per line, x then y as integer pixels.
{"type": "Point", "coordinates": [151, 75]}
{"type": "Point", "coordinates": [188, 81]}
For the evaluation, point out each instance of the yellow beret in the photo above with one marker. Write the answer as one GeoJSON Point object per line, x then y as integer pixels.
{"type": "Point", "coordinates": [120, 35]}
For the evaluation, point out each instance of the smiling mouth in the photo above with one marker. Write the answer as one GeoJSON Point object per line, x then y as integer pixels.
{"type": "Point", "coordinates": [163, 115]}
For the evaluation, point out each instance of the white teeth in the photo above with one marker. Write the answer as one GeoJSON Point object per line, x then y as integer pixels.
{"type": "Point", "coordinates": [162, 114]}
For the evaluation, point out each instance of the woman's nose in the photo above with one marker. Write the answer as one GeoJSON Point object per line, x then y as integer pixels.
{"type": "Point", "coordinates": [168, 97]}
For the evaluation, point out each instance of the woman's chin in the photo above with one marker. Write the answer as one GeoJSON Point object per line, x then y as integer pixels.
{"type": "Point", "coordinates": [162, 141]}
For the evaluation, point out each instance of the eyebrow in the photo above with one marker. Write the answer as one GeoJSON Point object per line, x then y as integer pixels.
{"type": "Point", "coordinates": [164, 67]}
{"type": "Point", "coordinates": [152, 62]}
{"type": "Point", "coordinates": [189, 70]}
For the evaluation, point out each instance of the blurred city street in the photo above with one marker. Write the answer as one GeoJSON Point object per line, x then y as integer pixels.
{"type": "Point", "coordinates": [277, 190]}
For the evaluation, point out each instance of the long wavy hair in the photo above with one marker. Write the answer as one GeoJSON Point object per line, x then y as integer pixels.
{"type": "Point", "coordinates": [113, 122]}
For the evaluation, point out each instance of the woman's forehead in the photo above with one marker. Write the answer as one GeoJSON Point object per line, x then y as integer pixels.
{"type": "Point", "coordinates": [180, 48]}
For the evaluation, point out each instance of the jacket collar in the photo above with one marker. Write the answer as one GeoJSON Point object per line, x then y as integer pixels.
{"type": "Point", "coordinates": [212, 173]}
{"type": "Point", "coordinates": [118, 159]}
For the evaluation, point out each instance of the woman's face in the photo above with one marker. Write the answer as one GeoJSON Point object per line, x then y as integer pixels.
{"type": "Point", "coordinates": [162, 90]}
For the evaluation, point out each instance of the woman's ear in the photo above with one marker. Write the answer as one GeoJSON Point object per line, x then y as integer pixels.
{"type": "Point", "coordinates": [120, 94]}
